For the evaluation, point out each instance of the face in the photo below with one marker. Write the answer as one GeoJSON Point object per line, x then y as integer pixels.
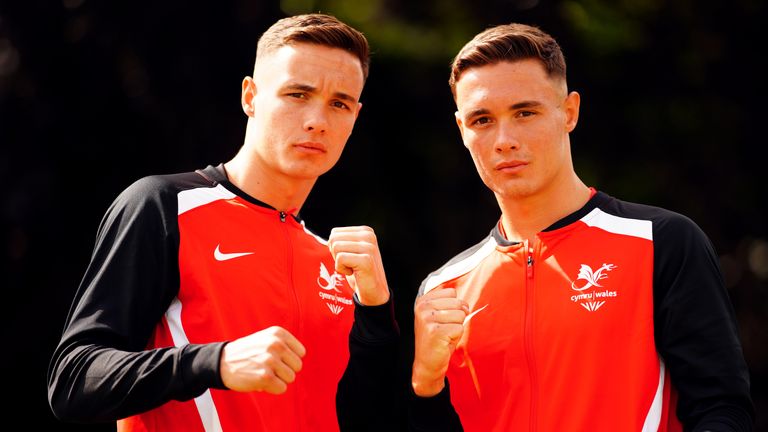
{"type": "Point", "coordinates": [302, 102]}
{"type": "Point", "coordinates": [515, 121]}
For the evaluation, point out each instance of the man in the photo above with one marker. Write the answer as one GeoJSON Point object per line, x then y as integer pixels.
{"type": "Point", "coordinates": [207, 305]}
{"type": "Point", "coordinates": [578, 312]}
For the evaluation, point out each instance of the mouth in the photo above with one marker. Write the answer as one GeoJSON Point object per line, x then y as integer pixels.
{"type": "Point", "coordinates": [310, 147]}
{"type": "Point", "coordinates": [511, 166]}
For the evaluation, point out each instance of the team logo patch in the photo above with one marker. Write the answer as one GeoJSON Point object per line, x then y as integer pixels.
{"type": "Point", "coordinates": [591, 294]}
{"type": "Point", "coordinates": [330, 285]}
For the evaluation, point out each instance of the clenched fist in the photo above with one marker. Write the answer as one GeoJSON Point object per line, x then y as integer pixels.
{"type": "Point", "coordinates": [438, 326]}
{"type": "Point", "coordinates": [357, 257]}
{"type": "Point", "coordinates": [267, 360]}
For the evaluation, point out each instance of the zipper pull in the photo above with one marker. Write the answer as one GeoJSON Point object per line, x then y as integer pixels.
{"type": "Point", "coordinates": [530, 266]}
{"type": "Point", "coordinates": [282, 216]}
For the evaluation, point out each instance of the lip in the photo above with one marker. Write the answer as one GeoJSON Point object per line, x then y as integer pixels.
{"type": "Point", "coordinates": [513, 166]}
{"type": "Point", "coordinates": [310, 147]}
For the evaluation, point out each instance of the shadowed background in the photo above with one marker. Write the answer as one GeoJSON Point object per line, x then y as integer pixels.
{"type": "Point", "coordinates": [94, 95]}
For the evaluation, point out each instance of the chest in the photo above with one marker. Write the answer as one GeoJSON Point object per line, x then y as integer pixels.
{"type": "Point", "coordinates": [243, 270]}
{"type": "Point", "coordinates": [557, 294]}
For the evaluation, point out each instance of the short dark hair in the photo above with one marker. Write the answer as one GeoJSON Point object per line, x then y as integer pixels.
{"type": "Point", "coordinates": [509, 42]}
{"type": "Point", "coordinates": [320, 29]}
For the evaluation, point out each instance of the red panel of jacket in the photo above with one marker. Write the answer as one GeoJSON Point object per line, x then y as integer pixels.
{"type": "Point", "coordinates": [259, 269]}
{"type": "Point", "coordinates": [560, 335]}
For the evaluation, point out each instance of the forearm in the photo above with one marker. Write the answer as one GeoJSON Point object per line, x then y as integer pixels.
{"type": "Point", "coordinates": [729, 417]}
{"type": "Point", "coordinates": [89, 383]}
{"type": "Point", "coordinates": [433, 414]}
{"type": "Point", "coordinates": [368, 393]}
{"type": "Point", "coordinates": [697, 333]}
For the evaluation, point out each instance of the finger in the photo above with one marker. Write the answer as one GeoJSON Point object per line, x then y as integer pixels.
{"type": "Point", "coordinates": [449, 303]}
{"type": "Point", "coordinates": [451, 331]}
{"type": "Point", "coordinates": [447, 316]}
{"type": "Point", "coordinates": [445, 303]}
{"type": "Point", "coordinates": [283, 371]}
{"type": "Point", "coordinates": [351, 229]}
{"type": "Point", "coordinates": [439, 293]}
{"type": "Point", "coordinates": [347, 262]}
{"type": "Point", "coordinates": [292, 360]}
{"type": "Point", "coordinates": [353, 246]}
{"type": "Point", "coordinates": [275, 385]}
{"type": "Point", "coordinates": [289, 340]}
{"type": "Point", "coordinates": [363, 234]}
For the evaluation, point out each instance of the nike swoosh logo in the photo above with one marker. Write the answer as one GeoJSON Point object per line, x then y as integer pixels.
{"type": "Point", "coordinates": [466, 319]}
{"type": "Point", "coordinates": [220, 256]}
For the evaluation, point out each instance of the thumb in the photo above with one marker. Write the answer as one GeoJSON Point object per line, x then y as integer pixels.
{"type": "Point", "coordinates": [351, 281]}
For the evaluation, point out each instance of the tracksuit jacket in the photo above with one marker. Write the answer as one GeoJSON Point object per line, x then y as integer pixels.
{"type": "Point", "coordinates": [613, 319]}
{"type": "Point", "coordinates": [186, 262]}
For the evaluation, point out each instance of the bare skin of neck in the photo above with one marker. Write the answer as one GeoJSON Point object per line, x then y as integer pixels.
{"type": "Point", "coordinates": [522, 217]}
{"type": "Point", "coordinates": [283, 193]}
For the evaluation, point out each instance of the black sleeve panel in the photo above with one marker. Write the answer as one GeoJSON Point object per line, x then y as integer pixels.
{"type": "Point", "coordinates": [695, 329]}
{"type": "Point", "coordinates": [456, 259]}
{"type": "Point", "coordinates": [368, 396]}
{"type": "Point", "coordinates": [433, 414]}
{"type": "Point", "coordinates": [100, 370]}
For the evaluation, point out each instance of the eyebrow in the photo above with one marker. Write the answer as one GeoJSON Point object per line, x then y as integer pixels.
{"type": "Point", "coordinates": [525, 104]}
{"type": "Point", "coordinates": [513, 107]}
{"type": "Point", "coordinates": [310, 89]}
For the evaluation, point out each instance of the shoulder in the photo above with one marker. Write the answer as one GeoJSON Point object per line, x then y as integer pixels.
{"type": "Point", "coordinates": [153, 196]}
{"type": "Point", "coordinates": [156, 188]}
{"type": "Point", "coordinates": [460, 264]}
{"type": "Point", "coordinates": [665, 224]}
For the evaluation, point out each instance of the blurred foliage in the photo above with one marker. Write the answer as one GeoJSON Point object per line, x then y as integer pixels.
{"type": "Point", "coordinates": [426, 31]}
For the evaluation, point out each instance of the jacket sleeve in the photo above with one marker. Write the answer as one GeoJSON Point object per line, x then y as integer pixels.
{"type": "Point", "coordinates": [433, 414]}
{"type": "Point", "coordinates": [696, 331]}
{"type": "Point", "coordinates": [368, 393]}
{"type": "Point", "coordinates": [101, 370]}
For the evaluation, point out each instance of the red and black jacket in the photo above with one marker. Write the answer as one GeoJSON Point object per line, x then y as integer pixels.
{"type": "Point", "coordinates": [615, 318]}
{"type": "Point", "coordinates": [184, 263]}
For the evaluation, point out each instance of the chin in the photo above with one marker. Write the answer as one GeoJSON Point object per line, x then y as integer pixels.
{"type": "Point", "coordinates": [307, 173]}
{"type": "Point", "coordinates": [517, 191]}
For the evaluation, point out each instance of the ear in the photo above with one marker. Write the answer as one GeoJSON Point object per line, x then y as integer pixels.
{"type": "Point", "coordinates": [246, 96]}
{"type": "Point", "coordinates": [571, 106]}
{"type": "Point", "coordinates": [357, 111]}
{"type": "Point", "coordinates": [460, 124]}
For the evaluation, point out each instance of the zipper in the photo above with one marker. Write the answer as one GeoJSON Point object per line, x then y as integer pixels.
{"type": "Point", "coordinates": [529, 308]}
{"type": "Point", "coordinates": [297, 310]}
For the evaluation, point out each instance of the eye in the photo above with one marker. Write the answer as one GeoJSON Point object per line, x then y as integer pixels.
{"type": "Point", "coordinates": [339, 104]}
{"type": "Point", "coordinates": [521, 114]}
{"type": "Point", "coordinates": [297, 95]}
{"type": "Point", "coordinates": [480, 121]}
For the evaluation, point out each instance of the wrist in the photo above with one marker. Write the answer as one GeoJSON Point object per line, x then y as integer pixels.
{"type": "Point", "coordinates": [426, 384]}
{"type": "Point", "coordinates": [377, 298]}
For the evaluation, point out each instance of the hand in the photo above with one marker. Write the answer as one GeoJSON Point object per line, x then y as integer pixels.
{"type": "Point", "coordinates": [267, 360]}
{"type": "Point", "coordinates": [357, 256]}
{"type": "Point", "coordinates": [438, 326]}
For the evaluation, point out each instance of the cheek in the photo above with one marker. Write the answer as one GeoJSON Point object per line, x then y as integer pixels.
{"type": "Point", "coordinates": [276, 117]}
{"type": "Point", "coordinates": [482, 149]}
{"type": "Point", "coordinates": [343, 126]}
{"type": "Point", "coordinates": [482, 158]}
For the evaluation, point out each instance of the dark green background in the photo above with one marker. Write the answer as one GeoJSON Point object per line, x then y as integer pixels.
{"type": "Point", "coordinates": [94, 95]}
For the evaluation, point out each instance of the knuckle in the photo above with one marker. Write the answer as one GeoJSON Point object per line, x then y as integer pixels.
{"type": "Point", "coordinates": [277, 347]}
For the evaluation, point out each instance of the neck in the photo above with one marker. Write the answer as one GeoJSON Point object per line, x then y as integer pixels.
{"type": "Point", "coordinates": [522, 217]}
{"type": "Point", "coordinates": [280, 191]}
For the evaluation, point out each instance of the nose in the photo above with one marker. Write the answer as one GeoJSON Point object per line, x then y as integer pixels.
{"type": "Point", "coordinates": [316, 120]}
{"type": "Point", "coordinates": [505, 139]}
